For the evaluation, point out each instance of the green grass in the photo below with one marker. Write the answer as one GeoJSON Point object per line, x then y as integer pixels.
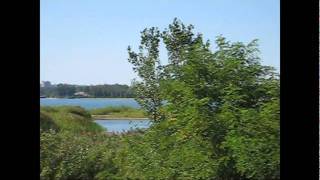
{"type": "Point", "coordinates": [68, 118]}
{"type": "Point", "coordinates": [119, 112]}
{"type": "Point", "coordinates": [46, 122]}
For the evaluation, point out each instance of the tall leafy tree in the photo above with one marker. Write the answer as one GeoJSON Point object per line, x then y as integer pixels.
{"type": "Point", "coordinates": [178, 38]}
{"type": "Point", "coordinates": [147, 65]}
{"type": "Point", "coordinates": [223, 103]}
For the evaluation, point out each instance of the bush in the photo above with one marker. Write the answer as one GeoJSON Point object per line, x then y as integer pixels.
{"type": "Point", "coordinates": [66, 156]}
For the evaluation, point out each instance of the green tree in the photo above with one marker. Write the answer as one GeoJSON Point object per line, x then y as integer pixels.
{"type": "Point", "coordinates": [222, 103]}
{"type": "Point", "coordinates": [65, 90]}
{"type": "Point", "coordinates": [216, 113]}
{"type": "Point", "coordinates": [146, 64]}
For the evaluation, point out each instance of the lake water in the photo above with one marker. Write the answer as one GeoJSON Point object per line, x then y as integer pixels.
{"type": "Point", "coordinates": [90, 103]}
{"type": "Point", "coordinates": [123, 125]}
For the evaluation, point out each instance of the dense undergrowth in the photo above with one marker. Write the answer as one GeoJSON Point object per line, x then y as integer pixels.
{"type": "Point", "coordinates": [72, 146]}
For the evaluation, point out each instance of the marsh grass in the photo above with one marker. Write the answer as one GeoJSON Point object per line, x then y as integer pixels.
{"type": "Point", "coordinates": [68, 118]}
{"type": "Point", "coordinates": [119, 112]}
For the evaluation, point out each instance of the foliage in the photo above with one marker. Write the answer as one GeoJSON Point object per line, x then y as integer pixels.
{"type": "Point", "coordinates": [216, 117]}
{"type": "Point", "coordinates": [76, 148]}
{"type": "Point", "coordinates": [64, 90]}
{"type": "Point", "coordinates": [65, 155]}
{"type": "Point", "coordinates": [147, 64]}
{"type": "Point", "coordinates": [223, 103]}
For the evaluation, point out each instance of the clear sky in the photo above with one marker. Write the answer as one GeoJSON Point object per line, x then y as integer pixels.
{"type": "Point", "coordinates": [85, 41]}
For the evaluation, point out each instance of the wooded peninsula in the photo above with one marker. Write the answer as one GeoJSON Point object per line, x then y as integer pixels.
{"type": "Point", "coordinates": [84, 91]}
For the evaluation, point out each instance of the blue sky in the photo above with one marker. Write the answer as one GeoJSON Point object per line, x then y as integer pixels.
{"type": "Point", "coordinates": [85, 41]}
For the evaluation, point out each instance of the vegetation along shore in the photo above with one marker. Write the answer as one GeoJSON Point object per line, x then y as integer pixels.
{"type": "Point", "coordinates": [122, 112]}
{"type": "Point", "coordinates": [220, 119]}
{"type": "Point", "coordinates": [85, 91]}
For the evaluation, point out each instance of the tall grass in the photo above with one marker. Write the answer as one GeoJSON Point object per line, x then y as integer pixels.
{"type": "Point", "coordinates": [72, 146]}
{"type": "Point", "coordinates": [46, 122]}
{"type": "Point", "coordinates": [122, 111]}
{"type": "Point", "coordinates": [68, 118]}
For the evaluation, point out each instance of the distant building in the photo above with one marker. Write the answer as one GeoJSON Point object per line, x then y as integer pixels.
{"type": "Point", "coordinates": [81, 94]}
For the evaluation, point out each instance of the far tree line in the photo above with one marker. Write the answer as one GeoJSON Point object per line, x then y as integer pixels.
{"type": "Point", "coordinates": [95, 91]}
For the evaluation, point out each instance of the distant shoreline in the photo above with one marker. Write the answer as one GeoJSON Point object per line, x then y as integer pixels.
{"type": "Point", "coordinates": [88, 98]}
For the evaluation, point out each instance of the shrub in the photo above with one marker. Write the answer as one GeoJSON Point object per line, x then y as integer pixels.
{"type": "Point", "coordinates": [65, 155]}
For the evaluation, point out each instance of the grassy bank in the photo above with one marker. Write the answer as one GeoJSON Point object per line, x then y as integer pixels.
{"type": "Point", "coordinates": [67, 118]}
{"type": "Point", "coordinates": [72, 146]}
{"type": "Point", "coordinates": [118, 113]}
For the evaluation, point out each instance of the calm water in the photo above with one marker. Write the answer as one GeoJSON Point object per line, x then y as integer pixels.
{"type": "Point", "coordinates": [123, 125]}
{"type": "Point", "coordinates": [90, 103]}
